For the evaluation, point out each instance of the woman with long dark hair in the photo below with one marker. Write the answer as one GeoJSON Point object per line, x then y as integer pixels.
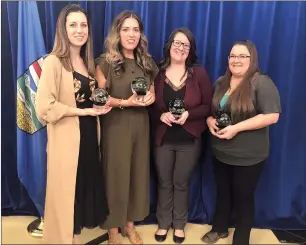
{"type": "Point", "coordinates": [178, 140]}
{"type": "Point", "coordinates": [245, 103]}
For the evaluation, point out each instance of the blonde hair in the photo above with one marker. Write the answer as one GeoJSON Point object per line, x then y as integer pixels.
{"type": "Point", "coordinates": [62, 44]}
{"type": "Point", "coordinates": [114, 54]}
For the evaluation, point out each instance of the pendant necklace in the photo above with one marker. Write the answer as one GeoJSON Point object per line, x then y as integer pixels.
{"type": "Point", "coordinates": [133, 70]}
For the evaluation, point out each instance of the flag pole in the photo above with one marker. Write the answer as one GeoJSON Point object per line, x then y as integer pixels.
{"type": "Point", "coordinates": [31, 132]}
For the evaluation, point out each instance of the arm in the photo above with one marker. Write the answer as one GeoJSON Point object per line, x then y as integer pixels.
{"type": "Point", "coordinates": [150, 97]}
{"type": "Point", "coordinates": [155, 109]}
{"type": "Point", "coordinates": [156, 112]}
{"type": "Point", "coordinates": [116, 102]}
{"type": "Point", "coordinates": [47, 106]}
{"type": "Point", "coordinates": [268, 107]}
{"type": "Point", "coordinates": [257, 122]}
{"type": "Point", "coordinates": [100, 78]}
{"type": "Point", "coordinates": [203, 110]}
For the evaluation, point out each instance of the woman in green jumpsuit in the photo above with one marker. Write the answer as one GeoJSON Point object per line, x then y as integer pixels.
{"type": "Point", "coordinates": [125, 129]}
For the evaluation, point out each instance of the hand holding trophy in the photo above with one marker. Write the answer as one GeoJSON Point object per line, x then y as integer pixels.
{"type": "Point", "coordinates": [223, 119]}
{"type": "Point", "coordinates": [100, 97]}
{"type": "Point", "coordinates": [176, 107]}
{"type": "Point", "coordinates": [140, 87]}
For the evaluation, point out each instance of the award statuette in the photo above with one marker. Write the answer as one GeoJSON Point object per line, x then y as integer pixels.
{"type": "Point", "coordinates": [140, 87]}
{"type": "Point", "coordinates": [223, 119]}
{"type": "Point", "coordinates": [99, 96]}
{"type": "Point", "coordinates": [176, 107]}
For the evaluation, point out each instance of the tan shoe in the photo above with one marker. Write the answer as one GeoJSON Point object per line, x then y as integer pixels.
{"type": "Point", "coordinates": [113, 238]}
{"type": "Point", "coordinates": [76, 239]}
{"type": "Point", "coordinates": [132, 235]}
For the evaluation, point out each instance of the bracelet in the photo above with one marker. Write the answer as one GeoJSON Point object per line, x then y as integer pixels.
{"type": "Point", "coordinates": [119, 105]}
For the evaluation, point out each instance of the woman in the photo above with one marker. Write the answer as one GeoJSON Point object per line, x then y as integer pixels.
{"type": "Point", "coordinates": [75, 195]}
{"type": "Point", "coordinates": [250, 101]}
{"type": "Point", "coordinates": [178, 140]}
{"type": "Point", "coordinates": [125, 129]}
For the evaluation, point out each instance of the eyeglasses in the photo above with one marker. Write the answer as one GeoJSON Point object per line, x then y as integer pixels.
{"type": "Point", "coordinates": [177, 43]}
{"type": "Point", "coordinates": [240, 57]}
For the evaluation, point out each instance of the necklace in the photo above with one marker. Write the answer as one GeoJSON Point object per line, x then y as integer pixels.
{"type": "Point", "coordinates": [132, 69]}
{"type": "Point", "coordinates": [229, 91]}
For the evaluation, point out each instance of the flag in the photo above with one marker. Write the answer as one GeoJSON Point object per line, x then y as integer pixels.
{"type": "Point", "coordinates": [31, 131]}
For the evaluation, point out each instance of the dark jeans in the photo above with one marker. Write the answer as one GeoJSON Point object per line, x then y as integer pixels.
{"type": "Point", "coordinates": [174, 164]}
{"type": "Point", "coordinates": [235, 187]}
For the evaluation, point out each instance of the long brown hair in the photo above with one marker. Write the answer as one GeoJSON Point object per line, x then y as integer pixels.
{"type": "Point", "coordinates": [114, 54]}
{"type": "Point", "coordinates": [62, 44]}
{"type": "Point", "coordinates": [240, 102]}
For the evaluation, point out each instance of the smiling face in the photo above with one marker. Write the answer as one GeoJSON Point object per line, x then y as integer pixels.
{"type": "Point", "coordinates": [77, 28]}
{"type": "Point", "coordinates": [239, 60]}
{"type": "Point", "coordinates": [180, 47]}
{"type": "Point", "coordinates": [129, 34]}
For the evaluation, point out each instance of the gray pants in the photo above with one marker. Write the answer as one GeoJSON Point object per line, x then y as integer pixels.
{"type": "Point", "coordinates": [174, 164]}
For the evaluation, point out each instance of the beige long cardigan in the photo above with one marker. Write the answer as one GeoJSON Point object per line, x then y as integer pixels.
{"type": "Point", "coordinates": [55, 97]}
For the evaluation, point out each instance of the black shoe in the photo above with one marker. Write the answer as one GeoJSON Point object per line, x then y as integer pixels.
{"type": "Point", "coordinates": [213, 237]}
{"type": "Point", "coordinates": [178, 239]}
{"type": "Point", "coordinates": [161, 238]}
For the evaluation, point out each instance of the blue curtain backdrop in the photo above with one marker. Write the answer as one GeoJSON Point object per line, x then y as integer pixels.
{"type": "Point", "coordinates": [277, 28]}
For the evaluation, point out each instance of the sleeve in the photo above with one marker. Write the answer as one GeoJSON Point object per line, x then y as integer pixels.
{"type": "Point", "coordinates": [103, 64]}
{"type": "Point", "coordinates": [267, 96]}
{"type": "Point", "coordinates": [154, 73]}
{"type": "Point", "coordinates": [203, 110]}
{"type": "Point", "coordinates": [47, 105]}
{"type": "Point", "coordinates": [104, 67]}
{"type": "Point", "coordinates": [155, 110]}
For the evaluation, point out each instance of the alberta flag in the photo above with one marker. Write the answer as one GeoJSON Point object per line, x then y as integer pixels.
{"type": "Point", "coordinates": [31, 131]}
